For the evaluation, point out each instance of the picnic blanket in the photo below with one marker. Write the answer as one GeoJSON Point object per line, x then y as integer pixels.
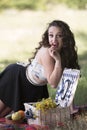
{"type": "Point", "coordinates": [22, 126]}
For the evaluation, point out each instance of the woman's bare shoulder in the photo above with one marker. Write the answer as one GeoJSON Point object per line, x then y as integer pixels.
{"type": "Point", "coordinates": [41, 54]}
{"type": "Point", "coordinates": [45, 56]}
{"type": "Point", "coordinates": [42, 51]}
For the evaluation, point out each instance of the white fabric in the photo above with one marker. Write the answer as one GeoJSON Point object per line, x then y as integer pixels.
{"type": "Point", "coordinates": [67, 87]}
{"type": "Point", "coordinates": [36, 70]}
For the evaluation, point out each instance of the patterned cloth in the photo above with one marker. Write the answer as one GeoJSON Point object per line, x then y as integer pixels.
{"type": "Point", "coordinates": [67, 87]}
{"type": "Point", "coordinates": [23, 126]}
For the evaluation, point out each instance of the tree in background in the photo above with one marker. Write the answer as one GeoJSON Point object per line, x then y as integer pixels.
{"type": "Point", "coordinates": [41, 4]}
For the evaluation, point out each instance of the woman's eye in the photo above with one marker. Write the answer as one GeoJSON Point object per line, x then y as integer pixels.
{"type": "Point", "coordinates": [59, 36]}
{"type": "Point", "coordinates": [50, 35]}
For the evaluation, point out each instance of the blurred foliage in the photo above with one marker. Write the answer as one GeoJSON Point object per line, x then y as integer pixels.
{"type": "Point", "coordinates": [41, 4]}
{"type": "Point", "coordinates": [79, 4]}
{"type": "Point", "coordinates": [25, 4]}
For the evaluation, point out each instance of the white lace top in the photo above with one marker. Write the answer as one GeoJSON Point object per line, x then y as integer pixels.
{"type": "Point", "coordinates": [36, 70]}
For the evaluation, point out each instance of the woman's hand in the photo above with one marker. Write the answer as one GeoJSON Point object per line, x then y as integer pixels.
{"type": "Point", "coordinates": [54, 53]}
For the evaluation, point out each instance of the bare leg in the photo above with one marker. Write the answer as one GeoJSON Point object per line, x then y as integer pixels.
{"type": "Point", "coordinates": [4, 110]}
{"type": "Point", "coordinates": [2, 106]}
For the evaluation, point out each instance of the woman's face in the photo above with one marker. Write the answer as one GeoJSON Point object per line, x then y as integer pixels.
{"type": "Point", "coordinates": [55, 37]}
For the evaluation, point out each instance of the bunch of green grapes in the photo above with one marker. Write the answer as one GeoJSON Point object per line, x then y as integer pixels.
{"type": "Point", "coordinates": [45, 104]}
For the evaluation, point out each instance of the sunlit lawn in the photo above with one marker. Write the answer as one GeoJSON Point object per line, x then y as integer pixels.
{"type": "Point", "coordinates": [20, 33]}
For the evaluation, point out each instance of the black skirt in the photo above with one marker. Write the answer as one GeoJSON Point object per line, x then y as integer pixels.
{"type": "Point", "coordinates": [15, 89]}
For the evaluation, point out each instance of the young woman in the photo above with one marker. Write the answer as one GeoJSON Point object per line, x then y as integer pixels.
{"type": "Point", "coordinates": [19, 83]}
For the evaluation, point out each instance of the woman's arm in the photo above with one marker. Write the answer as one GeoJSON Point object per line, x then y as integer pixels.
{"type": "Point", "coordinates": [51, 62]}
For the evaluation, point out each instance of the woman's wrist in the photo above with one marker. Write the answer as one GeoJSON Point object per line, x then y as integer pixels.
{"type": "Point", "coordinates": [58, 64]}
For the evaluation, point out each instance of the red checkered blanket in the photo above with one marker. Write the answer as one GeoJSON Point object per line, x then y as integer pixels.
{"type": "Point", "coordinates": [23, 126]}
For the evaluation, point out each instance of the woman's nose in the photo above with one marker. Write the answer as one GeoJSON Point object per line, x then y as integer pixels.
{"type": "Point", "coordinates": [54, 40]}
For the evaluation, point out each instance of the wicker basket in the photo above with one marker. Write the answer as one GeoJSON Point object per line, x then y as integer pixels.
{"type": "Point", "coordinates": [50, 117]}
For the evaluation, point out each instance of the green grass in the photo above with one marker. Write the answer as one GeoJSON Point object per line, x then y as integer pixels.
{"type": "Point", "coordinates": [20, 32]}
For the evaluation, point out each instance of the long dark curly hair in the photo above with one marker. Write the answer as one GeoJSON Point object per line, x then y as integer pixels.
{"type": "Point", "coordinates": [68, 53]}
